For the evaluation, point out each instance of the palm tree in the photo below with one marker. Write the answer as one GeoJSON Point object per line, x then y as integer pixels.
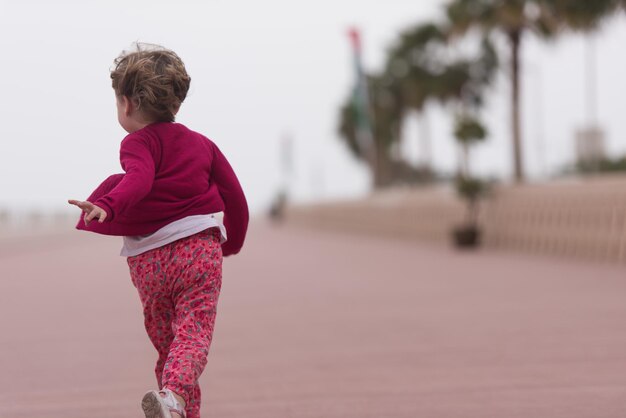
{"type": "Point", "coordinates": [385, 109]}
{"type": "Point", "coordinates": [422, 68]}
{"type": "Point", "coordinates": [401, 87]}
{"type": "Point", "coordinates": [419, 68]}
{"type": "Point", "coordinates": [409, 66]}
{"type": "Point", "coordinates": [513, 19]}
{"type": "Point", "coordinates": [584, 15]}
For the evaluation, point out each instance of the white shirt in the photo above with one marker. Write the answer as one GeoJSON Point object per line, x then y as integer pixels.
{"type": "Point", "coordinates": [182, 228]}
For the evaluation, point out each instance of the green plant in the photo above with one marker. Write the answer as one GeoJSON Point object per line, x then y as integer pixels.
{"type": "Point", "coordinates": [469, 130]}
{"type": "Point", "coordinates": [470, 188]}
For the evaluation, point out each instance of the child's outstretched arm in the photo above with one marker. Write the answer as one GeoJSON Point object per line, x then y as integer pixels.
{"type": "Point", "coordinates": [120, 191]}
{"type": "Point", "coordinates": [138, 163]}
{"type": "Point", "coordinates": [236, 214]}
{"type": "Point", "coordinates": [105, 187]}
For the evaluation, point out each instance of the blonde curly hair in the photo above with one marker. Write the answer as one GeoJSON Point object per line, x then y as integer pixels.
{"type": "Point", "coordinates": [154, 78]}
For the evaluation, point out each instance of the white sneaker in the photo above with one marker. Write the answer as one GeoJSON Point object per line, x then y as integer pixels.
{"type": "Point", "coordinates": [161, 404]}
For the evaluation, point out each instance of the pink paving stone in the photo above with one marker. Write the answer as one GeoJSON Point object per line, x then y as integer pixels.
{"type": "Point", "coordinates": [316, 324]}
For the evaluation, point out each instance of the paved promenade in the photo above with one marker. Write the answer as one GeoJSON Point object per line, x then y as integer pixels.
{"type": "Point", "coordinates": [314, 324]}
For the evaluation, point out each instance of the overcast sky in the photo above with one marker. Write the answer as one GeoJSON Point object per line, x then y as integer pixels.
{"type": "Point", "coordinates": [260, 71]}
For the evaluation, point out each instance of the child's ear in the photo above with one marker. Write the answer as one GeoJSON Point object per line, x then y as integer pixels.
{"type": "Point", "coordinates": [129, 106]}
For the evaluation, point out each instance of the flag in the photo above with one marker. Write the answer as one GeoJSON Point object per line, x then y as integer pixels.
{"type": "Point", "coordinates": [360, 100]}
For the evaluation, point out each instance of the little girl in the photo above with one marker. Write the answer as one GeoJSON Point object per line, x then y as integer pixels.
{"type": "Point", "coordinates": [165, 207]}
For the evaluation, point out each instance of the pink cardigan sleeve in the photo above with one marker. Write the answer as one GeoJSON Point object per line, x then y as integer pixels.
{"type": "Point", "coordinates": [236, 214]}
{"type": "Point", "coordinates": [138, 163]}
{"type": "Point", "coordinates": [105, 187]}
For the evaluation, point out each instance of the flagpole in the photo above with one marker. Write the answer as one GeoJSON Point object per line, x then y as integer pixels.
{"type": "Point", "coordinates": [361, 103]}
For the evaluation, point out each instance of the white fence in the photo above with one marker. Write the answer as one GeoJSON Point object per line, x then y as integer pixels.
{"type": "Point", "coordinates": [577, 217]}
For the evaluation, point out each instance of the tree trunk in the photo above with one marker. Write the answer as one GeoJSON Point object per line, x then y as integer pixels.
{"type": "Point", "coordinates": [425, 141]}
{"type": "Point", "coordinates": [515, 38]}
{"type": "Point", "coordinates": [380, 162]}
{"type": "Point", "coordinates": [465, 165]}
{"type": "Point", "coordinates": [472, 212]}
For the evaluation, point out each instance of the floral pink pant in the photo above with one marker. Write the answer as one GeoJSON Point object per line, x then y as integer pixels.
{"type": "Point", "coordinates": [179, 285]}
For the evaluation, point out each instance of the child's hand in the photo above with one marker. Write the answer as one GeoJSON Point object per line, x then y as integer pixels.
{"type": "Point", "coordinates": [91, 211]}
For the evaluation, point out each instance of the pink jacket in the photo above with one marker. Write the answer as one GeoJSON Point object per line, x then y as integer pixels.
{"type": "Point", "coordinates": [170, 172]}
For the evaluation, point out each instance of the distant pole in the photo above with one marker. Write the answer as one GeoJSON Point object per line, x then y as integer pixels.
{"type": "Point", "coordinates": [592, 91]}
{"type": "Point", "coordinates": [541, 138]}
{"type": "Point", "coordinates": [318, 181]}
{"type": "Point", "coordinates": [424, 138]}
{"type": "Point", "coordinates": [361, 103]}
{"type": "Point", "coordinates": [286, 156]}
{"type": "Point", "coordinates": [286, 160]}
{"type": "Point", "coordinates": [277, 208]}
{"type": "Point", "coordinates": [590, 139]}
